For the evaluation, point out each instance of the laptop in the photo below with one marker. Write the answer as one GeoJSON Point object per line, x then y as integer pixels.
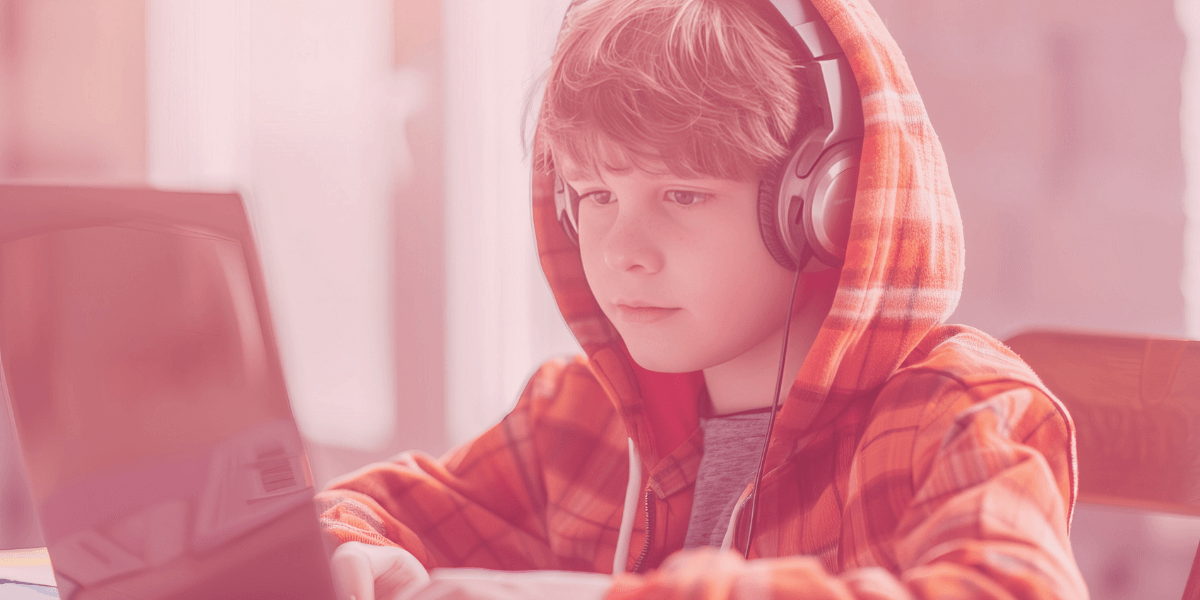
{"type": "Point", "coordinates": [138, 359]}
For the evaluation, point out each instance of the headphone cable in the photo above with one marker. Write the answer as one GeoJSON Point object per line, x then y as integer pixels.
{"type": "Point", "coordinates": [762, 458]}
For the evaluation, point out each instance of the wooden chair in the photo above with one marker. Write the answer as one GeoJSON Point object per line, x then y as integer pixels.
{"type": "Point", "coordinates": [1136, 406]}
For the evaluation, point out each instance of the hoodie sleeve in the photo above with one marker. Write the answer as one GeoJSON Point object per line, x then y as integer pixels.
{"type": "Point", "coordinates": [482, 505]}
{"type": "Point", "coordinates": [986, 516]}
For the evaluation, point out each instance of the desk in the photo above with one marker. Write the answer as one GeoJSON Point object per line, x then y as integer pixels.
{"type": "Point", "coordinates": [27, 575]}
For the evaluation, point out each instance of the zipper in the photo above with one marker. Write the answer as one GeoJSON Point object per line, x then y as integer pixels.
{"type": "Point", "coordinates": [637, 566]}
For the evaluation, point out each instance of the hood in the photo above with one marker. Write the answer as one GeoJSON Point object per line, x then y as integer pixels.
{"type": "Point", "coordinates": [902, 275]}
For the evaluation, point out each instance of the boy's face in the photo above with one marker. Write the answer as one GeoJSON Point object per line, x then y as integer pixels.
{"type": "Point", "coordinates": [679, 266]}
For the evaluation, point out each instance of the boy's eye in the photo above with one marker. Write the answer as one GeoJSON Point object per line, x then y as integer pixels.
{"type": "Point", "coordinates": [685, 198]}
{"type": "Point", "coordinates": [600, 198]}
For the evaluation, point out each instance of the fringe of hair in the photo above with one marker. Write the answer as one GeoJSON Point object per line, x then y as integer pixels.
{"type": "Point", "coordinates": [704, 87]}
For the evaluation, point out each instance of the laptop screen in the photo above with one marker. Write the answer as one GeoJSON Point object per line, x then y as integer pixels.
{"type": "Point", "coordinates": [144, 381]}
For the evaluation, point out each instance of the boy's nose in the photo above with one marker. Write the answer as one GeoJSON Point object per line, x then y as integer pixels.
{"type": "Point", "coordinates": [631, 245]}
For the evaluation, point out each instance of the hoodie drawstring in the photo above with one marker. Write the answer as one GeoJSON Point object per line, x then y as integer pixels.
{"type": "Point", "coordinates": [627, 515]}
{"type": "Point", "coordinates": [727, 542]}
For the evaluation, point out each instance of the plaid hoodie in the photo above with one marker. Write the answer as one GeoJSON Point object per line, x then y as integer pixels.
{"type": "Point", "coordinates": [910, 458]}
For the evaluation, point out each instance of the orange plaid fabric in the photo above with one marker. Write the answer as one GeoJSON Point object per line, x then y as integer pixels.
{"type": "Point", "coordinates": [910, 459]}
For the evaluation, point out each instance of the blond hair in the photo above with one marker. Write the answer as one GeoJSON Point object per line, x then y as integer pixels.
{"type": "Point", "coordinates": [704, 87]}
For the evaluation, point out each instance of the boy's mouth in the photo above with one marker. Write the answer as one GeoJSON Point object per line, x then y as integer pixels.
{"type": "Point", "coordinates": [643, 314]}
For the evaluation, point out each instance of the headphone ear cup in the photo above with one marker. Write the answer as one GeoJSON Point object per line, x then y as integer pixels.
{"type": "Point", "coordinates": [564, 203]}
{"type": "Point", "coordinates": [828, 214]}
{"type": "Point", "coordinates": [768, 224]}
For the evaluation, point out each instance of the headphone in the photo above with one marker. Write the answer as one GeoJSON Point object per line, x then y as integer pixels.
{"type": "Point", "coordinates": [804, 211]}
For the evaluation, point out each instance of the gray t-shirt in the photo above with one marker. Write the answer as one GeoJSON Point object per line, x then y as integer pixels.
{"type": "Point", "coordinates": [732, 445]}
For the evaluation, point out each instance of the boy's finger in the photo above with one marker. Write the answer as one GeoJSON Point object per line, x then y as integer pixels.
{"type": "Point", "coordinates": [396, 571]}
{"type": "Point", "coordinates": [352, 576]}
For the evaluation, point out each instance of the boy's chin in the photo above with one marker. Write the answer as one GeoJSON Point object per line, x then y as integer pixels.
{"type": "Point", "coordinates": [664, 362]}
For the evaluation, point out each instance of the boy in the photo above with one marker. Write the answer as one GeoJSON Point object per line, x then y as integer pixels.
{"type": "Point", "coordinates": [907, 459]}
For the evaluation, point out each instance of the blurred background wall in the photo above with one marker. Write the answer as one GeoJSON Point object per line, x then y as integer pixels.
{"type": "Point", "coordinates": [379, 148]}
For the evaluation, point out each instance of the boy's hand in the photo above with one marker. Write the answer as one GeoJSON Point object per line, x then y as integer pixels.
{"type": "Point", "coordinates": [365, 572]}
{"type": "Point", "coordinates": [483, 584]}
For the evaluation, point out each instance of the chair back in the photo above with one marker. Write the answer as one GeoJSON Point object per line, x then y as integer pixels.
{"type": "Point", "coordinates": [1135, 402]}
